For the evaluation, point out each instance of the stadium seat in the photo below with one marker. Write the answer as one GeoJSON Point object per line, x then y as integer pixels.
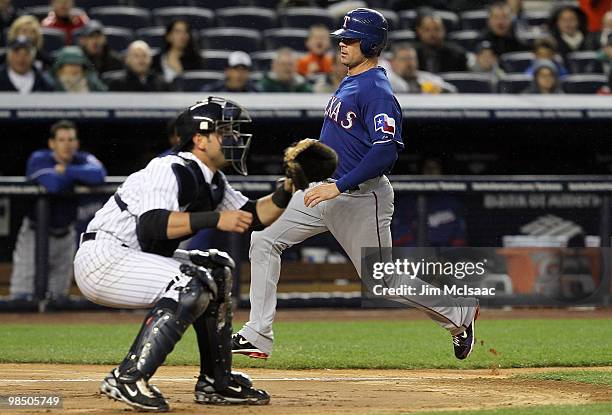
{"type": "Point", "coordinates": [110, 76]}
{"type": "Point", "coordinates": [193, 81]}
{"type": "Point", "coordinates": [472, 83]}
{"type": "Point", "coordinates": [583, 83]}
{"type": "Point", "coordinates": [267, 4]}
{"type": "Point", "coordinates": [392, 17]}
{"type": "Point", "coordinates": [399, 36]}
{"type": "Point", "coordinates": [118, 38]}
{"type": "Point", "coordinates": [40, 12]}
{"type": "Point", "coordinates": [156, 4]}
{"type": "Point", "coordinates": [247, 17]}
{"type": "Point", "coordinates": [304, 17]}
{"type": "Point", "coordinates": [584, 62]}
{"type": "Point", "coordinates": [88, 4]}
{"type": "Point", "coordinates": [286, 37]}
{"type": "Point", "coordinates": [474, 19]}
{"type": "Point", "coordinates": [212, 4]}
{"type": "Point", "coordinates": [23, 4]}
{"type": "Point", "coordinates": [467, 39]}
{"type": "Point", "coordinates": [537, 17]}
{"type": "Point", "coordinates": [198, 18]}
{"type": "Point", "coordinates": [450, 19]}
{"type": "Point", "coordinates": [2, 54]}
{"type": "Point", "coordinates": [263, 60]}
{"type": "Point", "coordinates": [121, 16]}
{"type": "Point", "coordinates": [407, 19]}
{"type": "Point", "coordinates": [231, 38]}
{"type": "Point", "coordinates": [53, 39]}
{"type": "Point", "coordinates": [215, 60]}
{"type": "Point", "coordinates": [154, 36]}
{"type": "Point", "coordinates": [514, 83]}
{"type": "Point", "coordinates": [516, 62]}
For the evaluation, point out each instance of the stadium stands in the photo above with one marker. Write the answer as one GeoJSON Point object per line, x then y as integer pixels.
{"type": "Point", "coordinates": [260, 27]}
{"type": "Point", "coordinates": [472, 83]}
{"type": "Point", "coordinates": [53, 39]}
{"type": "Point", "coordinates": [583, 83]}
{"type": "Point", "coordinates": [514, 83]}
{"type": "Point", "coordinates": [194, 81]}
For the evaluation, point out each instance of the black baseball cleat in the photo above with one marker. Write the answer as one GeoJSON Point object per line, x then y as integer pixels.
{"type": "Point", "coordinates": [138, 394]}
{"type": "Point", "coordinates": [240, 345]}
{"type": "Point", "coordinates": [464, 342]}
{"type": "Point", "coordinates": [240, 391]}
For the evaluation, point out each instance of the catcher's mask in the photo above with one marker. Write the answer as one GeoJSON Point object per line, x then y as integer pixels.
{"type": "Point", "coordinates": [217, 115]}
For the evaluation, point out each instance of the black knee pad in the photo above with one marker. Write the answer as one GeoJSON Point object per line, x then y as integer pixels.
{"type": "Point", "coordinates": [196, 295]}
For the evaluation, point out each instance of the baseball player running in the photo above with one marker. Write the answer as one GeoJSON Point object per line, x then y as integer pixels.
{"type": "Point", "coordinates": [127, 257]}
{"type": "Point", "coordinates": [363, 124]}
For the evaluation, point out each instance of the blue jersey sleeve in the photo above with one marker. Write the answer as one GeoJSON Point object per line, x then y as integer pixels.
{"type": "Point", "coordinates": [91, 172]}
{"type": "Point", "coordinates": [383, 118]}
{"type": "Point", "coordinates": [41, 169]}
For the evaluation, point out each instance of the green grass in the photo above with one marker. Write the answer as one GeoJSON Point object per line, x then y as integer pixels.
{"type": "Point", "coordinates": [589, 409]}
{"type": "Point", "coordinates": [366, 344]}
{"type": "Point", "coordinates": [583, 376]}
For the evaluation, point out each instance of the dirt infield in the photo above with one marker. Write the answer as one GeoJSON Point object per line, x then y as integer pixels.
{"type": "Point", "coordinates": [313, 391]}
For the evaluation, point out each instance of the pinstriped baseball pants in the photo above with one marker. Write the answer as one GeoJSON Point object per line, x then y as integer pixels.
{"type": "Point", "coordinates": [113, 275]}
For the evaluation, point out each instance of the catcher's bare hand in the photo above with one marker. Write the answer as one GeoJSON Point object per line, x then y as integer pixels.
{"type": "Point", "coordinates": [320, 193]}
{"type": "Point", "coordinates": [234, 221]}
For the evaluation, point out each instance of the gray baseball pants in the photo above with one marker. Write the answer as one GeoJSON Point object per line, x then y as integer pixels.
{"type": "Point", "coordinates": [359, 218]}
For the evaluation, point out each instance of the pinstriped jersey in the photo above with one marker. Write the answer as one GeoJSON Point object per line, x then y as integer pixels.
{"type": "Point", "coordinates": [154, 187]}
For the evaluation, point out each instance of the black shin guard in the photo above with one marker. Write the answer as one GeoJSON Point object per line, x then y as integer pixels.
{"type": "Point", "coordinates": [166, 324]}
{"type": "Point", "coordinates": [214, 327]}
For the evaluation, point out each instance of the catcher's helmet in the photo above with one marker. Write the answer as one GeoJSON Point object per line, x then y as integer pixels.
{"type": "Point", "coordinates": [367, 25]}
{"type": "Point", "coordinates": [217, 115]}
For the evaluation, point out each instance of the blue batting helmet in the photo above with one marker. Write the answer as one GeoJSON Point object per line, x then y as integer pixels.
{"type": "Point", "coordinates": [367, 25]}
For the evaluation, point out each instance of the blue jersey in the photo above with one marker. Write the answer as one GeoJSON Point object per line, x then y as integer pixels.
{"type": "Point", "coordinates": [362, 113]}
{"type": "Point", "coordinates": [84, 169]}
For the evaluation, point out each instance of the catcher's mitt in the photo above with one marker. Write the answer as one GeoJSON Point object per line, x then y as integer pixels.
{"type": "Point", "coordinates": [308, 161]}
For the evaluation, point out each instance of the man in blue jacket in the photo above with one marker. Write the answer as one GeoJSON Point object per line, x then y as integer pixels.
{"type": "Point", "coordinates": [57, 169]}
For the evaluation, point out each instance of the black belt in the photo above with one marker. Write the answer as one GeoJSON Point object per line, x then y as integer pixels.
{"type": "Point", "coordinates": [90, 236]}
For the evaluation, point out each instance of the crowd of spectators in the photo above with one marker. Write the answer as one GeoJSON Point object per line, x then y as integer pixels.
{"type": "Point", "coordinates": [432, 49]}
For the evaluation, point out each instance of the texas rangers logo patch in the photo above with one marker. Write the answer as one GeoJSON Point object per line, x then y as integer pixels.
{"type": "Point", "coordinates": [385, 124]}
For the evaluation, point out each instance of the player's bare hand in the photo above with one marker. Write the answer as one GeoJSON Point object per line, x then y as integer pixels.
{"type": "Point", "coordinates": [320, 193]}
{"type": "Point", "coordinates": [234, 221]}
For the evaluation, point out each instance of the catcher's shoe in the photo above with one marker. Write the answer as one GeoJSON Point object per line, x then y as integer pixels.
{"type": "Point", "coordinates": [240, 391]}
{"type": "Point", "coordinates": [241, 345]}
{"type": "Point", "coordinates": [464, 342]}
{"type": "Point", "coordinates": [139, 394]}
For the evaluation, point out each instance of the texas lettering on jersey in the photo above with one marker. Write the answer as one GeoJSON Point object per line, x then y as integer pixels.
{"type": "Point", "coordinates": [333, 109]}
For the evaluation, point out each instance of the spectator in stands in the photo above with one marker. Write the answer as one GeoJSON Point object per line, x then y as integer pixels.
{"type": "Point", "coordinates": [284, 77]}
{"type": "Point", "coordinates": [29, 26]}
{"type": "Point", "coordinates": [237, 74]}
{"type": "Point", "coordinates": [569, 28]}
{"type": "Point", "coordinates": [180, 52]}
{"type": "Point", "coordinates": [519, 20]}
{"type": "Point", "coordinates": [405, 76]}
{"type": "Point", "coordinates": [545, 79]}
{"type": "Point", "coordinates": [604, 55]}
{"type": "Point", "coordinates": [595, 11]}
{"type": "Point", "coordinates": [330, 82]}
{"type": "Point", "coordinates": [63, 16]}
{"type": "Point", "coordinates": [317, 60]}
{"type": "Point", "coordinates": [137, 75]}
{"type": "Point", "coordinates": [435, 54]}
{"type": "Point", "coordinates": [499, 30]}
{"type": "Point", "coordinates": [72, 72]}
{"type": "Point", "coordinates": [599, 39]}
{"type": "Point", "coordinates": [8, 14]}
{"type": "Point", "coordinates": [546, 48]}
{"type": "Point", "coordinates": [57, 169]}
{"type": "Point", "coordinates": [19, 74]}
{"type": "Point", "coordinates": [93, 42]}
{"type": "Point", "coordinates": [485, 60]}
